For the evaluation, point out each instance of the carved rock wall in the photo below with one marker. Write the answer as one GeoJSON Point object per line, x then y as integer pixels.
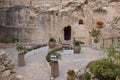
{"type": "Point", "coordinates": [39, 23]}
{"type": "Point", "coordinates": [7, 71]}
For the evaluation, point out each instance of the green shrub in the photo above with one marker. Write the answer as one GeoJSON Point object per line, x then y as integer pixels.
{"type": "Point", "coordinates": [113, 54]}
{"type": "Point", "coordinates": [53, 52]}
{"type": "Point", "coordinates": [22, 48]}
{"type": "Point", "coordinates": [77, 43]}
{"type": "Point", "coordinates": [105, 69]}
{"type": "Point", "coordinates": [96, 40]}
{"type": "Point", "coordinates": [36, 47]}
{"type": "Point", "coordinates": [52, 40]}
{"type": "Point", "coordinates": [87, 76]}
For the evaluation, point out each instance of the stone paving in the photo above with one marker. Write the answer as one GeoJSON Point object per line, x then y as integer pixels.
{"type": "Point", "coordinates": [36, 67]}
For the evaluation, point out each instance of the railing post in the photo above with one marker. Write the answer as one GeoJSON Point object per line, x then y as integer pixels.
{"type": "Point", "coordinates": [103, 42]}
{"type": "Point", "coordinates": [112, 41]}
{"type": "Point", "coordinates": [118, 40]}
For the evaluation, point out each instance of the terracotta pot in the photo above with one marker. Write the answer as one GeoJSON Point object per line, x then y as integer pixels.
{"type": "Point", "coordinates": [51, 44]}
{"type": "Point", "coordinates": [70, 77]}
{"type": "Point", "coordinates": [77, 49]}
{"type": "Point", "coordinates": [100, 26]}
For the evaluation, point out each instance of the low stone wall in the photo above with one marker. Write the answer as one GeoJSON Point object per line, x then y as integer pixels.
{"type": "Point", "coordinates": [7, 69]}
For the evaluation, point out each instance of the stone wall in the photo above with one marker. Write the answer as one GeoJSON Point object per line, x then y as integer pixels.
{"type": "Point", "coordinates": [35, 23]}
{"type": "Point", "coordinates": [7, 71]}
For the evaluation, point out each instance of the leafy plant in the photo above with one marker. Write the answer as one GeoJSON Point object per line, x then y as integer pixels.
{"type": "Point", "coordinates": [113, 54]}
{"type": "Point", "coordinates": [22, 48]}
{"type": "Point", "coordinates": [53, 52]}
{"type": "Point", "coordinates": [52, 40]}
{"type": "Point", "coordinates": [94, 32]}
{"type": "Point", "coordinates": [105, 69]}
{"type": "Point", "coordinates": [96, 40]}
{"type": "Point", "coordinates": [36, 47]}
{"type": "Point", "coordinates": [87, 76]}
{"type": "Point", "coordinates": [71, 72]}
{"type": "Point", "coordinates": [77, 43]}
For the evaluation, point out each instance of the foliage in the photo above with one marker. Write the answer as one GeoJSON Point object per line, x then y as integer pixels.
{"type": "Point", "coordinates": [77, 43]}
{"type": "Point", "coordinates": [21, 48]}
{"type": "Point", "coordinates": [71, 72]}
{"type": "Point", "coordinates": [36, 47]}
{"type": "Point", "coordinates": [113, 54]}
{"type": "Point", "coordinates": [52, 40]}
{"type": "Point", "coordinates": [94, 32]}
{"type": "Point", "coordinates": [53, 52]}
{"type": "Point", "coordinates": [105, 69]}
{"type": "Point", "coordinates": [87, 76]}
{"type": "Point", "coordinates": [96, 40]}
{"type": "Point", "coordinates": [26, 49]}
{"type": "Point", "coordinates": [8, 40]}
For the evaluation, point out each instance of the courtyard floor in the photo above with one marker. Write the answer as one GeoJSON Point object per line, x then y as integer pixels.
{"type": "Point", "coordinates": [37, 68]}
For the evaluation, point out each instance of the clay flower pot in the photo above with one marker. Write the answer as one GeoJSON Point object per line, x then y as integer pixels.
{"type": "Point", "coordinates": [77, 49]}
{"type": "Point", "coordinates": [99, 24]}
{"type": "Point", "coordinates": [71, 75]}
{"type": "Point", "coordinates": [51, 45]}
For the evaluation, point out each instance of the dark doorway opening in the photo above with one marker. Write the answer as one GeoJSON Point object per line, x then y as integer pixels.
{"type": "Point", "coordinates": [67, 33]}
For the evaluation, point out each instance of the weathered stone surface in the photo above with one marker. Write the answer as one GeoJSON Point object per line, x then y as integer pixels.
{"type": "Point", "coordinates": [7, 68]}
{"type": "Point", "coordinates": [2, 67]}
{"type": "Point", "coordinates": [37, 20]}
{"type": "Point", "coordinates": [6, 62]}
{"type": "Point", "coordinates": [10, 66]}
{"type": "Point", "coordinates": [6, 73]}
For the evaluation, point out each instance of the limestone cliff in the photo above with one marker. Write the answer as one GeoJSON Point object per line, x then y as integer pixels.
{"type": "Point", "coordinates": [37, 21]}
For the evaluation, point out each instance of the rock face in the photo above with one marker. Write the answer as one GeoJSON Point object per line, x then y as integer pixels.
{"type": "Point", "coordinates": [7, 71]}
{"type": "Point", "coordinates": [37, 21]}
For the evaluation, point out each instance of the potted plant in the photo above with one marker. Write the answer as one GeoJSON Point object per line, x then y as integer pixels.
{"type": "Point", "coordinates": [99, 24]}
{"type": "Point", "coordinates": [77, 46]}
{"type": "Point", "coordinates": [71, 75]}
{"type": "Point", "coordinates": [51, 43]}
{"type": "Point", "coordinates": [22, 50]}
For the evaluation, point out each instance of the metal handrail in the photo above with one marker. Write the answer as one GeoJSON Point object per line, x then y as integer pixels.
{"type": "Point", "coordinates": [111, 38]}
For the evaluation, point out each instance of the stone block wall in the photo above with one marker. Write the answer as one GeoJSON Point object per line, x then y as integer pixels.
{"type": "Point", "coordinates": [7, 69]}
